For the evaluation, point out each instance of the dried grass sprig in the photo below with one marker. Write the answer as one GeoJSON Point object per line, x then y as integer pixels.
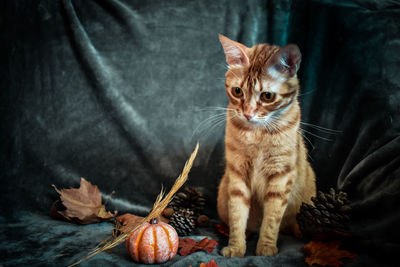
{"type": "Point", "coordinates": [160, 204]}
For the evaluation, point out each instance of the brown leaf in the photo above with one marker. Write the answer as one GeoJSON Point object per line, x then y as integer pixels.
{"type": "Point", "coordinates": [126, 222]}
{"type": "Point", "coordinates": [222, 229]}
{"type": "Point", "coordinates": [325, 253]}
{"type": "Point", "coordinates": [188, 246]}
{"type": "Point", "coordinates": [81, 205]}
{"type": "Point", "coordinates": [209, 264]}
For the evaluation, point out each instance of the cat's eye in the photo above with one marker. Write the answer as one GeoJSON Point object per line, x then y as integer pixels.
{"type": "Point", "coordinates": [236, 91]}
{"type": "Point", "coordinates": [267, 97]}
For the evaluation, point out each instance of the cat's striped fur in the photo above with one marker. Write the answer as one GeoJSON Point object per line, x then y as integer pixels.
{"type": "Point", "coordinates": [267, 174]}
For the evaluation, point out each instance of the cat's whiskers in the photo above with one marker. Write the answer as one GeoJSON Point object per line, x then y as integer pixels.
{"type": "Point", "coordinates": [306, 138]}
{"type": "Point", "coordinates": [274, 125]}
{"type": "Point", "coordinates": [215, 109]}
{"type": "Point", "coordinates": [225, 66]}
{"type": "Point", "coordinates": [295, 142]}
{"type": "Point", "coordinates": [276, 120]}
{"type": "Point", "coordinates": [209, 124]}
{"type": "Point", "coordinates": [322, 129]}
{"type": "Point", "coordinates": [301, 131]}
{"type": "Point", "coordinates": [212, 127]}
{"type": "Point", "coordinates": [315, 135]}
{"type": "Point", "coordinates": [307, 93]}
{"type": "Point", "coordinates": [277, 129]}
{"type": "Point", "coordinates": [316, 127]}
{"type": "Point", "coordinates": [210, 120]}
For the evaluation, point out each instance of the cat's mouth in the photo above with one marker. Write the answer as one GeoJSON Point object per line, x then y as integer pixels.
{"type": "Point", "coordinates": [255, 120]}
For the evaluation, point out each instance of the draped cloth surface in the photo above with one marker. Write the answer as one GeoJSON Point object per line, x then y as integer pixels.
{"type": "Point", "coordinates": [119, 92]}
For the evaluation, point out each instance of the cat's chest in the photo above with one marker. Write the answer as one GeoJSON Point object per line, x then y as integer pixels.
{"type": "Point", "coordinates": [257, 183]}
{"type": "Point", "coordinates": [267, 158]}
{"type": "Point", "coordinates": [255, 138]}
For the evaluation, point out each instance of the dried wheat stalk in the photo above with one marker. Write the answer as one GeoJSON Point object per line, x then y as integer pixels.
{"type": "Point", "coordinates": [160, 204]}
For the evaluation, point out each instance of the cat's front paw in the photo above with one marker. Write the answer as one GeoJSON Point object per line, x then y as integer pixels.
{"type": "Point", "coordinates": [266, 250]}
{"type": "Point", "coordinates": [233, 251]}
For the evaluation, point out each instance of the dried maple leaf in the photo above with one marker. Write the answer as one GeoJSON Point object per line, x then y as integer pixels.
{"type": "Point", "coordinates": [185, 246]}
{"type": "Point", "coordinates": [206, 244]}
{"type": "Point", "coordinates": [325, 253]}
{"type": "Point", "coordinates": [81, 205]}
{"type": "Point", "coordinates": [188, 246]}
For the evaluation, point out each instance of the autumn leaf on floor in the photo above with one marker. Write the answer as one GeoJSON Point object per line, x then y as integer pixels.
{"type": "Point", "coordinates": [80, 205]}
{"type": "Point", "coordinates": [325, 253]}
{"type": "Point", "coordinates": [222, 229]}
{"type": "Point", "coordinates": [185, 246]}
{"type": "Point", "coordinates": [188, 246]}
{"type": "Point", "coordinates": [206, 244]}
{"type": "Point", "coordinates": [210, 264]}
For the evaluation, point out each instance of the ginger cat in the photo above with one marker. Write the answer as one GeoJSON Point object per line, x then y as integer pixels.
{"type": "Point", "coordinates": [267, 174]}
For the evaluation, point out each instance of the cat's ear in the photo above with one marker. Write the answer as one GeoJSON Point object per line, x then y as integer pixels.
{"type": "Point", "coordinates": [286, 61]}
{"type": "Point", "coordinates": [235, 52]}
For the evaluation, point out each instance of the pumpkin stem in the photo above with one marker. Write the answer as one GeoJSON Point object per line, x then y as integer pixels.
{"type": "Point", "coordinates": [154, 221]}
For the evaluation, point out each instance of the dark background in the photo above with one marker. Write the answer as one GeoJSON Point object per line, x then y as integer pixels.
{"type": "Point", "coordinates": [118, 92]}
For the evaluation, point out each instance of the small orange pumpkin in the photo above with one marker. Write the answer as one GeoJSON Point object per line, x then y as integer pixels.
{"type": "Point", "coordinates": [154, 242]}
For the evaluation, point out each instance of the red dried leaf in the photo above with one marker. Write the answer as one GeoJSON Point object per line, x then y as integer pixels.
{"type": "Point", "coordinates": [325, 253]}
{"type": "Point", "coordinates": [206, 244]}
{"type": "Point", "coordinates": [185, 246]}
{"type": "Point", "coordinates": [209, 264]}
{"type": "Point", "coordinates": [222, 229]}
{"type": "Point", "coordinates": [81, 205]}
{"type": "Point", "coordinates": [188, 246]}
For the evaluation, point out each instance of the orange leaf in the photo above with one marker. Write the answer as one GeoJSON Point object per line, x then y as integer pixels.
{"type": "Point", "coordinates": [209, 264]}
{"type": "Point", "coordinates": [325, 253]}
{"type": "Point", "coordinates": [81, 205]}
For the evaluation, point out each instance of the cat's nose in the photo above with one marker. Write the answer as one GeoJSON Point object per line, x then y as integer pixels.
{"type": "Point", "coordinates": [248, 116]}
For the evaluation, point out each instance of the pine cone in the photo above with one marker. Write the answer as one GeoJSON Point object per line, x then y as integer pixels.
{"type": "Point", "coordinates": [183, 221]}
{"type": "Point", "coordinates": [328, 213]}
{"type": "Point", "coordinates": [191, 198]}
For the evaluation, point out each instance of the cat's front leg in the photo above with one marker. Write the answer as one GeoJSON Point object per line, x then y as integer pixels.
{"type": "Point", "coordinates": [275, 202]}
{"type": "Point", "coordinates": [238, 205]}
